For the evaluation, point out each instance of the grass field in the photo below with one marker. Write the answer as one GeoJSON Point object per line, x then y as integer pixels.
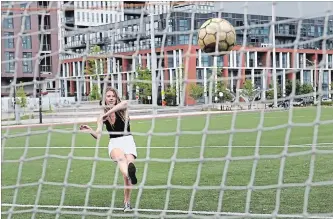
{"type": "Point", "coordinates": [276, 177]}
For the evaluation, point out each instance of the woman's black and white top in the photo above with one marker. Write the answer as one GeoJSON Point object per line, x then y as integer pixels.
{"type": "Point", "coordinates": [118, 128]}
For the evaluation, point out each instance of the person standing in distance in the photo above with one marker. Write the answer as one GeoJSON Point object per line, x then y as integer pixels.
{"type": "Point", "coordinates": [122, 147]}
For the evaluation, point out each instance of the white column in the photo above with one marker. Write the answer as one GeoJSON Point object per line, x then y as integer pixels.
{"type": "Point", "coordinates": [84, 85]}
{"type": "Point", "coordinates": [215, 72]}
{"type": "Point", "coordinates": [297, 60]}
{"type": "Point", "coordinates": [67, 70]}
{"type": "Point", "coordinates": [288, 59]}
{"type": "Point", "coordinates": [205, 85]}
{"type": "Point", "coordinates": [74, 69]}
{"type": "Point", "coordinates": [112, 80]}
{"type": "Point", "coordinates": [311, 77]}
{"type": "Point", "coordinates": [177, 87]}
{"type": "Point", "coordinates": [264, 82]}
{"type": "Point", "coordinates": [231, 73]}
{"type": "Point", "coordinates": [283, 82]}
{"type": "Point", "coordinates": [140, 59]}
{"type": "Point", "coordinates": [148, 61]}
{"type": "Point", "coordinates": [231, 60]}
{"type": "Point", "coordinates": [200, 60]}
{"type": "Point", "coordinates": [175, 59]}
{"type": "Point", "coordinates": [280, 57]}
{"type": "Point", "coordinates": [304, 60]}
{"type": "Point", "coordinates": [109, 65]}
{"type": "Point", "coordinates": [114, 65]}
{"type": "Point", "coordinates": [65, 86]}
{"type": "Point", "coordinates": [180, 58]}
{"type": "Point", "coordinates": [301, 76]}
{"type": "Point", "coordinates": [129, 89]}
{"type": "Point", "coordinates": [120, 80]}
{"type": "Point", "coordinates": [171, 77]}
{"type": "Point", "coordinates": [78, 90]}
{"type": "Point", "coordinates": [235, 59]}
{"type": "Point", "coordinates": [99, 83]}
{"type": "Point", "coordinates": [326, 63]}
{"type": "Point", "coordinates": [255, 59]}
{"type": "Point", "coordinates": [79, 72]}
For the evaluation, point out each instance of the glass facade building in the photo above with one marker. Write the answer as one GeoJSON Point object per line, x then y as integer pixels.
{"type": "Point", "coordinates": [256, 62]}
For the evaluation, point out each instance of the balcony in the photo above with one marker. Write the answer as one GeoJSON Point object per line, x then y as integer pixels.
{"type": "Point", "coordinates": [75, 44]}
{"type": "Point", "coordinates": [68, 5]}
{"type": "Point", "coordinates": [99, 40]}
{"type": "Point", "coordinates": [68, 20]}
{"type": "Point", "coordinates": [285, 33]}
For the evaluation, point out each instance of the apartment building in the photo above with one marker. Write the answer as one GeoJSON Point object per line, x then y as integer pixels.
{"type": "Point", "coordinates": [256, 62]}
{"type": "Point", "coordinates": [30, 34]}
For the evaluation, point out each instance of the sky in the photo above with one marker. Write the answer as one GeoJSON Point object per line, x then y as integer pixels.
{"type": "Point", "coordinates": [282, 9]}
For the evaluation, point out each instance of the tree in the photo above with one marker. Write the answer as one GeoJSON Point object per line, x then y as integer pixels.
{"type": "Point", "coordinates": [289, 86]}
{"type": "Point", "coordinates": [21, 99]}
{"type": "Point", "coordinates": [249, 90]}
{"type": "Point", "coordinates": [196, 91]}
{"type": "Point", "coordinates": [170, 95]}
{"type": "Point", "coordinates": [270, 92]}
{"type": "Point", "coordinates": [306, 89]}
{"type": "Point", "coordinates": [93, 68]}
{"type": "Point", "coordinates": [222, 87]}
{"type": "Point", "coordinates": [144, 82]}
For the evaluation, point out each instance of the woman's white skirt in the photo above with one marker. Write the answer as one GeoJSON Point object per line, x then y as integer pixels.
{"type": "Point", "coordinates": [125, 143]}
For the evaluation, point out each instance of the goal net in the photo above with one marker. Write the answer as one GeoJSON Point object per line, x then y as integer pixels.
{"type": "Point", "coordinates": [245, 133]}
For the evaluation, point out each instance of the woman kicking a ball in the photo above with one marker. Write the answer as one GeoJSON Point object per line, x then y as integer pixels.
{"type": "Point", "coordinates": [122, 148]}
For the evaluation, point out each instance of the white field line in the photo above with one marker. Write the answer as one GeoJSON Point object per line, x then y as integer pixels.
{"type": "Point", "coordinates": [321, 145]}
{"type": "Point", "coordinates": [168, 211]}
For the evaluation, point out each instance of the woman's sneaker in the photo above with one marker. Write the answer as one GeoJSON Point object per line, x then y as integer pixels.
{"type": "Point", "coordinates": [127, 207]}
{"type": "Point", "coordinates": [131, 173]}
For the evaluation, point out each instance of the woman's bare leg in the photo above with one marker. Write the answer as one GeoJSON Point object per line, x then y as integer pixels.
{"type": "Point", "coordinates": [127, 192]}
{"type": "Point", "coordinates": [118, 156]}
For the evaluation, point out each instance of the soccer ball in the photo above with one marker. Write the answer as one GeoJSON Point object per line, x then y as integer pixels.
{"type": "Point", "coordinates": [216, 31]}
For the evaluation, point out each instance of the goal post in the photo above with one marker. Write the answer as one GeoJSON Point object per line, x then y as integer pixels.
{"type": "Point", "coordinates": [245, 133]}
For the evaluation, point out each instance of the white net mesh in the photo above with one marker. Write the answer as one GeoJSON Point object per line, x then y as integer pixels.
{"type": "Point", "coordinates": [218, 135]}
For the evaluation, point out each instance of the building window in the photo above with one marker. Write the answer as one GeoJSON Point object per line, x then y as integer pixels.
{"type": "Point", "coordinates": [9, 42]}
{"type": "Point", "coordinates": [26, 42]}
{"type": "Point", "coordinates": [23, 5]}
{"type": "Point", "coordinates": [78, 16]}
{"type": "Point", "coordinates": [27, 62]}
{"type": "Point", "coordinates": [8, 21]}
{"type": "Point", "coordinates": [10, 66]}
{"type": "Point", "coordinates": [27, 22]}
{"type": "Point", "coordinates": [183, 25]}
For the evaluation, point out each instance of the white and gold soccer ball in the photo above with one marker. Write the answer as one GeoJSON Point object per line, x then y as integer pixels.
{"type": "Point", "coordinates": [216, 31]}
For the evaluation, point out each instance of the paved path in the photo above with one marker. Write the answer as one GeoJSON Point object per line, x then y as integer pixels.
{"type": "Point", "coordinates": [87, 119]}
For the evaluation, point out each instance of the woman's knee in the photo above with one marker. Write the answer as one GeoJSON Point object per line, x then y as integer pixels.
{"type": "Point", "coordinates": [130, 158]}
{"type": "Point", "coordinates": [117, 155]}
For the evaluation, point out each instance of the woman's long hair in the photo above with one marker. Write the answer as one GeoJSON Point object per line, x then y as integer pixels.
{"type": "Point", "coordinates": [122, 113]}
